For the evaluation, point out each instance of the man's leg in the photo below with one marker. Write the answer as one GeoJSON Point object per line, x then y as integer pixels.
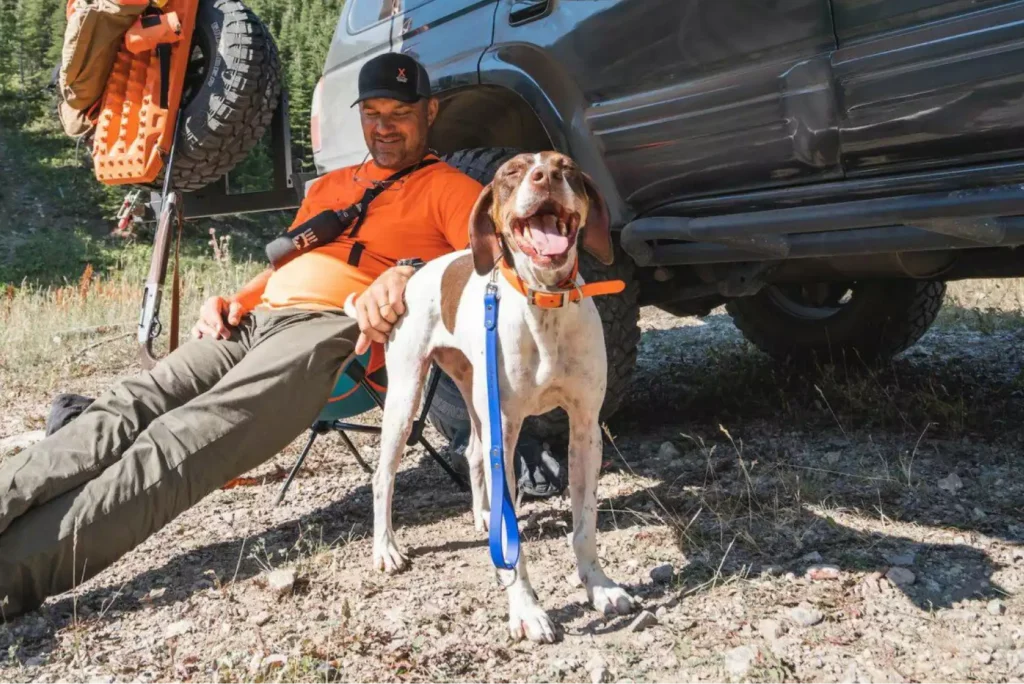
{"type": "Point", "coordinates": [256, 409]}
{"type": "Point", "coordinates": [83, 448]}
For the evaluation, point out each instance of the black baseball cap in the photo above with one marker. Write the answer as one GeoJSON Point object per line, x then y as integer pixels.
{"type": "Point", "coordinates": [394, 76]}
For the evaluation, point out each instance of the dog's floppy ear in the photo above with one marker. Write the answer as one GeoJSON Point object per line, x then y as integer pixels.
{"type": "Point", "coordinates": [597, 237]}
{"type": "Point", "coordinates": [483, 235]}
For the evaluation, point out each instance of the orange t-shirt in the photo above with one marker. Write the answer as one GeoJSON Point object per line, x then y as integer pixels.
{"type": "Point", "coordinates": [425, 215]}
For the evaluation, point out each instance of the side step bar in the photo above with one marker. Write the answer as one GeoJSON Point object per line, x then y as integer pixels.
{"type": "Point", "coordinates": [987, 217]}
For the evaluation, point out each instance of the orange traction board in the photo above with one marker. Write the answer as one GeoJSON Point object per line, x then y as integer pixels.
{"type": "Point", "coordinates": [133, 131]}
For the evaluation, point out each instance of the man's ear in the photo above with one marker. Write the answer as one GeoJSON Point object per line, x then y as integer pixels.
{"type": "Point", "coordinates": [432, 109]}
{"type": "Point", "coordinates": [597, 238]}
{"type": "Point", "coordinates": [483, 235]}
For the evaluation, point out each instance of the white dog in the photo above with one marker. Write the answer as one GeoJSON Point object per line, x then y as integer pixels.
{"type": "Point", "coordinates": [525, 224]}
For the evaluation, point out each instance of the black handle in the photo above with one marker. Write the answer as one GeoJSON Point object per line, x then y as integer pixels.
{"type": "Point", "coordinates": [527, 10]}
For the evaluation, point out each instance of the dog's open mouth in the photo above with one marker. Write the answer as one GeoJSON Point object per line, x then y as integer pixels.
{"type": "Point", "coordinates": [548, 233]}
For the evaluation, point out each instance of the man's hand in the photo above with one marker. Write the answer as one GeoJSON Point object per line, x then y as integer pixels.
{"type": "Point", "coordinates": [380, 306]}
{"type": "Point", "coordinates": [217, 316]}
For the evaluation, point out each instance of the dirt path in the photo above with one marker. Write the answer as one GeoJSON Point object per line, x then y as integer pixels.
{"type": "Point", "coordinates": [841, 526]}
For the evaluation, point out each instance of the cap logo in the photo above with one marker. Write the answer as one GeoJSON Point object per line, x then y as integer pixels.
{"type": "Point", "coordinates": [402, 78]}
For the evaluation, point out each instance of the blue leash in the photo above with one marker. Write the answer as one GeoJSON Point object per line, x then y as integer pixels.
{"type": "Point", "coordinates": [503, 524]}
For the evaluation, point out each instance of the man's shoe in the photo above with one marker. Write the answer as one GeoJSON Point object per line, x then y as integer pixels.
{"type": "Point", "coordinates": [538, 472]}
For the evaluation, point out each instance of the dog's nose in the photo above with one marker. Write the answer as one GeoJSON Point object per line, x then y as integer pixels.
{"type": "Point", "coordinates": [542, 176]}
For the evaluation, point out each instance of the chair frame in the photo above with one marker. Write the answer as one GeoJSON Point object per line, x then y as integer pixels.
{"type": "Point", "coordinates": [357, 372]}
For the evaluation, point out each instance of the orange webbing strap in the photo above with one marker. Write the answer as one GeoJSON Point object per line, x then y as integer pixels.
{"type": "Point", "coordinates": [133, 132]}
{"type": "Point", "coordinates": [548, 299]}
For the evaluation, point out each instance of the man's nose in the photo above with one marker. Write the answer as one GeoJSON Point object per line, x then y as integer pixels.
{"type": "Point", "coordinates": [543, 176]}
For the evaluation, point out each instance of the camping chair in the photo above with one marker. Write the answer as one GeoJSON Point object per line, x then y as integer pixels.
{"type": "Point", "coordinates": [361, 386]}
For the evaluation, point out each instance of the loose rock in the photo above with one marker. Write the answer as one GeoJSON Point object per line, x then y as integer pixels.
{"type": "Point", "coordinates": [261, 618]}
{"type": "Point", "coordinates": [668, 451]}
{"type": "Point", "coordinates": [176, 629]}
{"type": "Point", "coordinates": [644, 620]}
{"type": "Point", "coordinates": [805, 615]}
{"type": "Point", "coordinates": [812, 557]}
{"type": "Point", "coordinates": [663, 574]}
{"type": "Point", "coordinates": [770, 629]}
{"type": "Point", "coordinates": [996, 607]}
{"type": "Point", "coordinates": [282, 581]}
{"type": "Point", "coordinates": [823, 572]}
{"type": "Point", "coordinates": [983, 657]}
{"type": "Point", "coordinates": [739, 660]}
{"type": "Point", "coordinates": [951, 483]}
{"type": "Point", "coordinates": [901, 577]}
{"type": "Point", "coordinates": [902, 559]}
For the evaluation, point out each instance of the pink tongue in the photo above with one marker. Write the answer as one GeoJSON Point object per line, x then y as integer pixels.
{"type": "Point", "coordinates": [545, 236]}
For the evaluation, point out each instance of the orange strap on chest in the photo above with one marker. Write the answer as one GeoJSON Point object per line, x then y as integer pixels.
{"type": "Point", "coordinates": [547, 299]}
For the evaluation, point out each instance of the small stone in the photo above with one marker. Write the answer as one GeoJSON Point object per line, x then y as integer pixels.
{"type": "Point", "coordinates": [770, 630]}
{"type": "Point", "coordinates": [996, 607]}
{"type": "Point", "coordinates": [661, 612]}
{"type": "Point", "coordinates": [832, 457]}
{"type": "Point", "coordinates": [978, 514]}
{"type": "Point", "coordinates": [901, 559]}
{"type": "Point", "coordinates": [812, 557]}
{"type": "Point", "coordinates": [254, 663]}
{"type": "Point", "coordinates": [281, 582]}
{"type": "Point", "coordinates": [805, 615]}
{"type": "Point", "coordinates": [823, 572]}
{"type": "Point", "coordinates": [644, 620]}
{"type": "Point", "coordinates": [35, 661]}
{"type": "Point", "coordinates": [261, 618]}
{"type": "Point", "coordinates": [739, 660]}
{"type": "Point", "coordinates": [901, 577]}
{"type": "Point", "coordinates": [668, 451]}
{"type": "Point", "coordinates": [663, 574]}
{"type": "Point", "coordinates": [176, 629]}
{"type": "Point", "coordinates": [573, 580]}
{"type": "Point", "coordinates": [647, 638]}
{"type": "Point", "coordinates": [600, 674]}
{"type": "Point", "coordinates": [951, 483]}
{"type": "Point", "coordinates": [273, 661]}
{"type": "Point", "coordinates": [983, 657]}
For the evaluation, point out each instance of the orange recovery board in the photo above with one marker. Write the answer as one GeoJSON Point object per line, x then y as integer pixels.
{"type": "Point", "coordinates": [135, 122]}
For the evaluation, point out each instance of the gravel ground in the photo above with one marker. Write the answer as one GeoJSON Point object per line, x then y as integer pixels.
{"type": "Point", "coordinates": [826, 525]}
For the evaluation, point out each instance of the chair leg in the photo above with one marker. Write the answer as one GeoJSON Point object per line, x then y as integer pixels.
{"type": "Point", "coordinates": [456, 478]}
{"type": "Point", "coordinates": [421, 422]}
{"type": "Point", "coordinates": [295, 468]}
{"type": "Point", "coordinates": [355, 452]}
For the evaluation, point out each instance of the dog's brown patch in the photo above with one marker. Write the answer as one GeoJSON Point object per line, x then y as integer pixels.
{"type": "Point", "coordinates": [453, 282]}
{"type": "Point", "coordinates": [455, 364]}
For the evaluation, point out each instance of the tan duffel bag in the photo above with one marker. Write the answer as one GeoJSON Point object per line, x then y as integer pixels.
{"type": "Point", "coordinates": [92, 38]}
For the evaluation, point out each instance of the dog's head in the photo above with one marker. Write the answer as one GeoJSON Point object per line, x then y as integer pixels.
{"type": "Point", "coordinates": [534, 211]}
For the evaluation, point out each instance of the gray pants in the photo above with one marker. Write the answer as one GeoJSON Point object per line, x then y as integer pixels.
{"type": "Point", "coordinates": [155, 444]}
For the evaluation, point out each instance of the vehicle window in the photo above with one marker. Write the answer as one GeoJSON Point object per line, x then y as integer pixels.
{"type": "Point", "coordinates": [366, 13]}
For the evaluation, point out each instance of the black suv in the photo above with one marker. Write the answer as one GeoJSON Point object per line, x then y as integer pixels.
{"type": "Point", "coordinates": [822, 167]}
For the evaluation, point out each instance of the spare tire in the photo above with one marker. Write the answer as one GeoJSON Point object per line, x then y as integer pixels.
{"type": "Point", "coordinates": [231, 91]}
{"type": "Point", "coordinates": [619, 314]}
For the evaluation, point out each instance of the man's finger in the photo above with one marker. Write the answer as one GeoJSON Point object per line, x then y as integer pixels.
{"type": "Point", "coordinates": [234, 313]}
{"type": "Point", "coordinates": [395, 299]}
{"type": "Point", "coordinates": [361, 318]}
{"type": "Point", "coordinates": [373, 315]}
{"type": "Point", "coordinates": [362, 344]}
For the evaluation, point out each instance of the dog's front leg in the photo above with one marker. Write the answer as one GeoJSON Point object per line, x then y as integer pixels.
{"type": "Point", "coordinates": [584, 470]}
{"type": "Point", "coordinates": [526, 617]}
{"type": "Point", "coordinates": [400, 406]}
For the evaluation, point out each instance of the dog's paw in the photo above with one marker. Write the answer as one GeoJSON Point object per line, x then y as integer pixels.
{"type": "Point", "coordinates": [388, 558]}
{"type": "Point", "coordinates": [612, 599]}
{"type": "Point", "coordinates": [531, 622]}
{"type": "Point", "coordinates": [482, 520]}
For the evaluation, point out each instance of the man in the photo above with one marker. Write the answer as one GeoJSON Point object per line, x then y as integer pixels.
{"type": "Point", "coordinates": [259, 373]}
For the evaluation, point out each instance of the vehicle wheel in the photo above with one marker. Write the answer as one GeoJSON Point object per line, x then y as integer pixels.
{"type": "Point", "coordinates": [829, 321]}
{"type": "Point", "coordinates": [620, 315]}
{"type": "Point", "coordinates": [231, 91]}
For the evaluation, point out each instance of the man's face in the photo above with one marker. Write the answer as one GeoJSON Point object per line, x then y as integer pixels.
{"type": "Point", "coordinates": [396, 132]}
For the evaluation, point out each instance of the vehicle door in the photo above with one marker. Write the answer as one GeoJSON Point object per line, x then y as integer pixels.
{"type": "Point", "coordinates": [929, 83]}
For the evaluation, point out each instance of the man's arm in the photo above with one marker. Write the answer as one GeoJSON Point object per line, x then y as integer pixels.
{"type": "Point", "coordinates": [219, 314]}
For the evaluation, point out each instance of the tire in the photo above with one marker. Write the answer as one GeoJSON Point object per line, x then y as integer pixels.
{"type": "Point", "coordinates": [874, 321]}
{"type": "Point", "coordinates": [620, 315]}
{"type": "Point", "coordinates": [231, 91]}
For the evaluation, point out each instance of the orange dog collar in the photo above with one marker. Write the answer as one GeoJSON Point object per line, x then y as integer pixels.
{"type": "Point", "coordinates": [567, 292]}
